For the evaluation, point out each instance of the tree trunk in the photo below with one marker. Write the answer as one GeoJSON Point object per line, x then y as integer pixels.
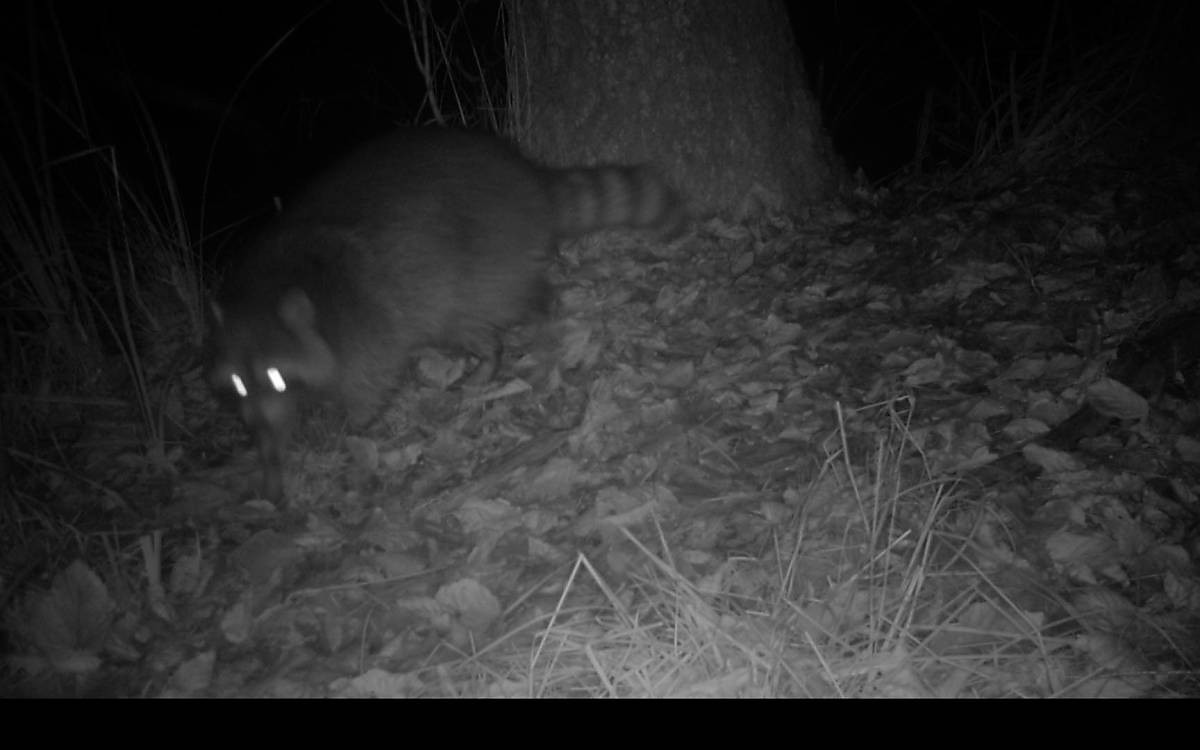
{"type": "Point", "coordinates": [711, 91]}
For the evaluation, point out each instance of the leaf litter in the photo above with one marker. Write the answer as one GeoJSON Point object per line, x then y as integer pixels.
{"type": "Point", "coordinates": [950, 453]}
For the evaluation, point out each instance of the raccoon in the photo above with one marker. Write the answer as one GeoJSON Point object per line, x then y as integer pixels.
{"type": "Point", "coordinates": [423, 238]}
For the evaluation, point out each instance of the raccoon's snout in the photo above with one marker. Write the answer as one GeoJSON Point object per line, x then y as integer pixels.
{"type": "Point", "coordinates": [270, 417]}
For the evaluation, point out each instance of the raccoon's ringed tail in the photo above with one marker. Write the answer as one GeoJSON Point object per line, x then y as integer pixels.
{"type": "Point", "coordinates": [609, 196]}
{"type": "Point", "coordinates": [297, 313]}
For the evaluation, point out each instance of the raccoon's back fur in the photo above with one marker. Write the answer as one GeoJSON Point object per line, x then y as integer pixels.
{"type": "Point", "coordinates": [426, 237]}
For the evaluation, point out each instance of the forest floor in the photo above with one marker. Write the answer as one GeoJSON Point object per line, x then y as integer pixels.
{"type": "Point", "coordinates": [920, 443]}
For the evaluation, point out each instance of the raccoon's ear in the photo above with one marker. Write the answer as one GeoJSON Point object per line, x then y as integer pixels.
{"type": "Point", "coordinates": [296, 309]}
{"type": "Point", "coordinates": [218, 315]}
{"type": "Point", "coordinates": [314, 363]}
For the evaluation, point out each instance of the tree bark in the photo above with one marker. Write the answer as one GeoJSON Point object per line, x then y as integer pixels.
{"type": "Point", "coordinates": [711, 91]}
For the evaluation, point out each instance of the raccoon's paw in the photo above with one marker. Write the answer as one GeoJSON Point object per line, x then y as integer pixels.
{"type": "Point", "coordinates": [488, 348]}
{"type": "Point", "coordinates": [482, 374]}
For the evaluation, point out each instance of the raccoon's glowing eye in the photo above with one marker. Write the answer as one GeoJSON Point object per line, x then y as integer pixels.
{"type": "Point", "coordinates": [276, 378]}
{"type": "Point", "coordinates": [238, 385]}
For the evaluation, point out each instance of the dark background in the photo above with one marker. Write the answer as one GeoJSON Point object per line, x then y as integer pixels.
{"type": "Point", "coordinates": [343, 71]}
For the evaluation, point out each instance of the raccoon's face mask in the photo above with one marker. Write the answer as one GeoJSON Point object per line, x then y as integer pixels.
{"type": "Point", "coordinates": [268, 361]}
{"type": "Point", "coordinates": [265, 398]}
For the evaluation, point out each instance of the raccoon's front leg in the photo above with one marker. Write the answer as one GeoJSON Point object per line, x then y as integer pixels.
{"type": "Point", "coordinates": [270, 451]}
